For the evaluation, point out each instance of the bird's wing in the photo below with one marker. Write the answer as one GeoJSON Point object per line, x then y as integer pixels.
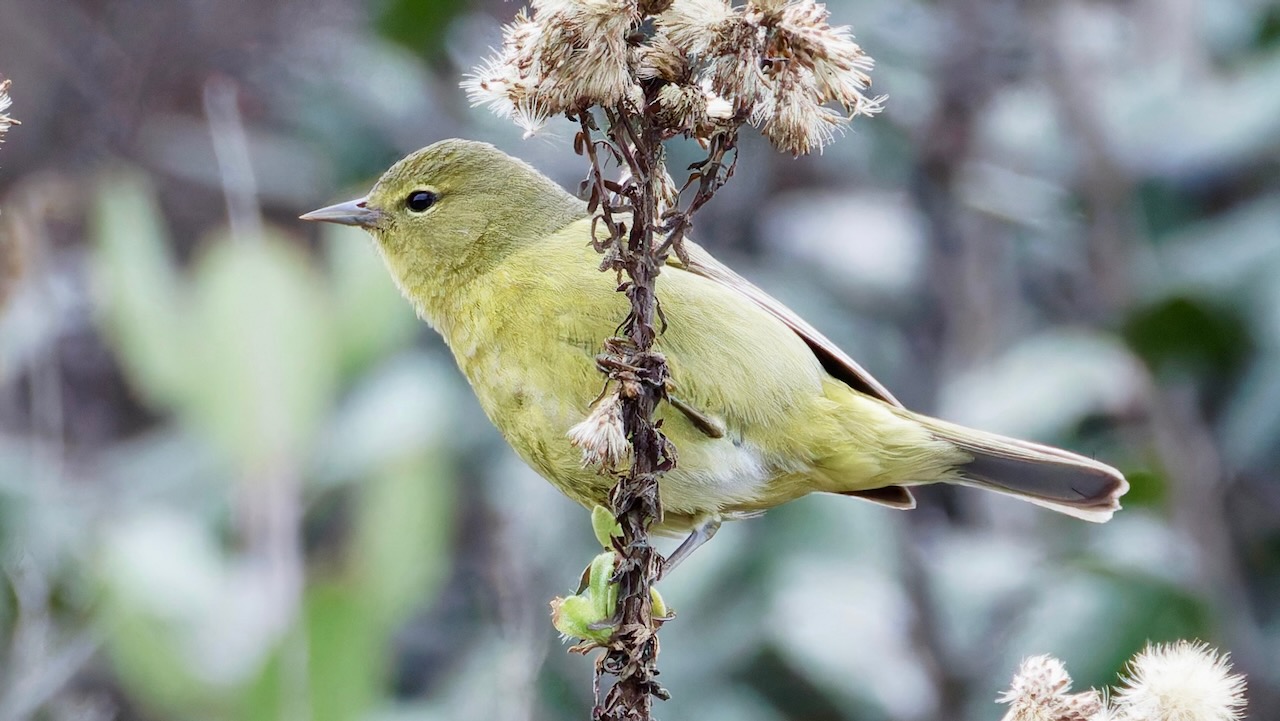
{"type": "Point", "coordinates": [835, 361]}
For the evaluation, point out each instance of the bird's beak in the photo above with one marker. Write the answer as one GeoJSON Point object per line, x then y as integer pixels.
{"type": "Point", "coordinates": [353, 212]}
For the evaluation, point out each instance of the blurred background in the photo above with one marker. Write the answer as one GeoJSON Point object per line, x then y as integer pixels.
{"type": "Point", "coordinates": [238, 479]}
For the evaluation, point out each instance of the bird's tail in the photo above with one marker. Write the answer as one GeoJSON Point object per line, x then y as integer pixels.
{"type": "Point", "coordinates": [1051, 477]}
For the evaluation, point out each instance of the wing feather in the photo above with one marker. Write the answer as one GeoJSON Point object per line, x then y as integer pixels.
{"type": "Point", "coordinates": [835, 361]}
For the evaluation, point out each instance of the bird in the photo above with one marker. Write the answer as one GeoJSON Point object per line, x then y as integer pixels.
{"type": "Point", "coordinates": [764, 409]}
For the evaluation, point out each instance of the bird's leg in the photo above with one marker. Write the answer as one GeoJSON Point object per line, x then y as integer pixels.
{"type": "Point", "coordinates": [710, 427]}
{"type": "Point", "coordinates": [700, 535]}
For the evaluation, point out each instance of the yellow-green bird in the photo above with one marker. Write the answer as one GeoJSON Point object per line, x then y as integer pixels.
{"type": "Point", "coordinates": [498, 259]}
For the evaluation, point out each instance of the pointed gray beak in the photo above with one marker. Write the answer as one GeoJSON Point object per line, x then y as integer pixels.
{"type": "Point", "coordinates": [353, 212]}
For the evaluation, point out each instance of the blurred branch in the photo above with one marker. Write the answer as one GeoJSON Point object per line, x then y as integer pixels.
{"type": "Point", "coordinates": [1172, 34]}
{"type": "Point", "coordinates": [231, 147]}
{"type": "Point", "coordinates": [963, 315]}
{"type": "Point", "coordinates": [951, 681]}
{"type": "Point", "coordinates": [1199, 486]}
{"type": "Point", "coordinates": [524, 642]}
{"type": "Point", "coordinates": [1104, 182]}
{"type": "Point", "coordinates": [42, 662]}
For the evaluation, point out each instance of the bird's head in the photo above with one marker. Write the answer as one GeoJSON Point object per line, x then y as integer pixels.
{"type": "Point", "coordinates": [455, 208]}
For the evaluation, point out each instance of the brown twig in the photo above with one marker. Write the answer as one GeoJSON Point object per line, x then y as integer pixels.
{"type": "Point", "coordinates": [631, 364]}
{"type": "Point", "coordinates": [640, 373]}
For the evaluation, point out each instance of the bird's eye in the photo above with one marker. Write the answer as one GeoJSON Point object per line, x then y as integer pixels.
{"type": "Point", "coordinates": [420, 200]}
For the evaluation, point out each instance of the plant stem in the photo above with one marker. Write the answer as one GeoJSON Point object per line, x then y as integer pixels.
{"type": "Point", "coordinates": [631, 656]}
{"type": "Point", "coordinates": [639, 373]}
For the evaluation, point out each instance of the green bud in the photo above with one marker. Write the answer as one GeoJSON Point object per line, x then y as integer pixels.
{"type": "Point", "coordinates": [605, 526]}
{"type": "Point", "coordinates": [586, 615]}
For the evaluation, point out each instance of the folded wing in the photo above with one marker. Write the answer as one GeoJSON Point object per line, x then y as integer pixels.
{"type": "Point", "coordinates": [835, 361]}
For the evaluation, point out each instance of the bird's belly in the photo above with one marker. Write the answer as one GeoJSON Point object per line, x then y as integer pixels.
{"type": "Point", "coordinates": [712, 476]}
{"type": "Point", "coordinates": [715, 476]}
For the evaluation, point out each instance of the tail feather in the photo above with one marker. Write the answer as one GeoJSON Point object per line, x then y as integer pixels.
{"type": "Point", "coordinates": [1046, 476]}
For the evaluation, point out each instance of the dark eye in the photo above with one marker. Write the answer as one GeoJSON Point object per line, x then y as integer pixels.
{"type": "Point", "coordinates": [420, 200]}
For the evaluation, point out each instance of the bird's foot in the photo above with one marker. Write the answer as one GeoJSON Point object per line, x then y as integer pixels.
{"type": "Point", "coordinates": [700, 535]}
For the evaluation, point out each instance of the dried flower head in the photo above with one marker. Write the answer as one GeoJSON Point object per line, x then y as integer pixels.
{"type": "Point", "coordinates": [692, 25]}
{"type": "Point", "coordinates": [811, 64]}
{"type": "Point", "coordinates": [839, 66]}
{"type": "Point", "coordinates": [1180, 682]}
{"type": "Point", "coordinates": [566, 56]}
{"type": "Point", "coordinates": [681, 108]}
{"type": "Point", "coordinates": [718, 109]}
{"type": "Point", "coordinates": [1084, 706]}
{"type": "Point", "coordinates": [776, 63]}
{"type": "Point", "coordinates": [1039, 692]}
{"type": "Point", "coordinates": [798, 122]}
{"type": "Point", "coordinates": [6, 122]}
{"type": "Point", "coordinates": [506, 83]}
{"type": "Point", "coordinates": [735, 62]}
{"type": "Point", "coordinates": [662, 59]}
{"type": "Point", "coordinates": [601, 436]}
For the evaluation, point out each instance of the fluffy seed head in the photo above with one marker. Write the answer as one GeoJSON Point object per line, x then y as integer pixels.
{"type": "Point", "coordinates": [692, 24]}
{"type": "Point", "coordinates": [507, 82]}
{"type": "Point", "coordinates": [799, 123]}
{"type": "Point", "coordinates": [567, 55]}
{"type": "Point", "coordinates": [1038, 686]}
{"type": "Point", "coordinates": [682, 108]}
{"type": "Point", "coordinates": [601, 436]}
{"type": "Point", "coordinates": [735, 68]}
{"type": "Point", "coordinates": [1039, 692]}
{"type": "Point", "coordinates": [1083, 706]}
{"type": "Point", "coordinates": [840, 67]}
{"type": "Point", "coordinates": [662, 59]}
{"type": "Point", "coordinates": [718, 109]}
{"type": "Point", "coordinates": [777, 64]}
{"type": "Point", "coordinates": [5, 101]}
{"type": "Point", "coordinates": [1180, 682]}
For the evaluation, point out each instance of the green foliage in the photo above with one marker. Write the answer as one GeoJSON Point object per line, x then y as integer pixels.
{"type": "Point", "coordinates": [135, 269]}
{"type": "Point", "coordinates": [586, 615]}
{"type": "Point", "coordinates": [332, 669]}
{"type": "Point", "coordinates": [403, 528]}
{"type": "Point", "coordinates": [1194, 336]}
{"type": "Point", "coordinates": [263, 363]}
{"type": "Point", "coordinates": [1268, 33]}
{"type": "Point", "coordinates": [247, 349]}
{"type": "Point", "coordinates": [418, 26]}
{"type": "Point", "coordinates": [1165, 210]}
{"type": "Point", "coordinates": [1146, 488]}
{"type": "Point", "coordinates": [369, 314]}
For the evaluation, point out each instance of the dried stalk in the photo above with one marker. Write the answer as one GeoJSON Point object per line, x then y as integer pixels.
{"type": "Point", "coordinates": [630, 363]}
{"type": "Point", "coordinates": [641, 374]}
